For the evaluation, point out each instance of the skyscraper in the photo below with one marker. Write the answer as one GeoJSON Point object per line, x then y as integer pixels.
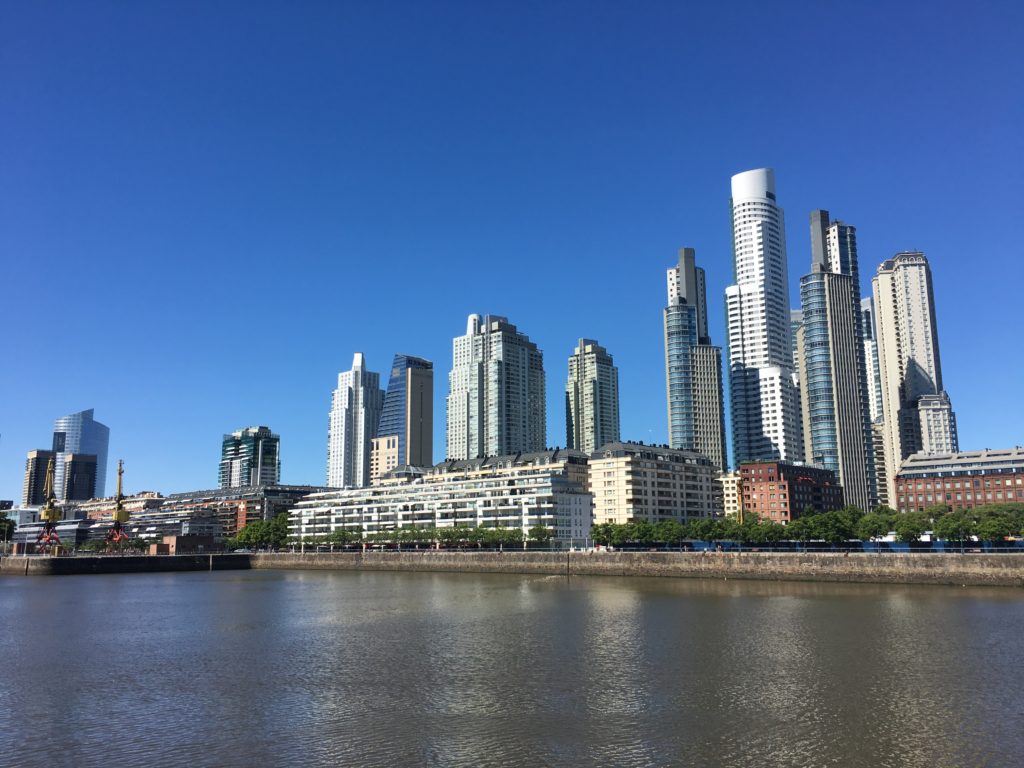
{"type": "Point", "coordinates": [405, 433]}
{"type": "Point", "coordinates": [693, 367]}
{"type": "Point", "coordinates": [355, 413]}
{"type": "Point", "coordinates": [496, 392]}
{"type": "Point", "coordinates": [35, 477]}
{"type": "Point", "coordinates": [870, 335]}
{"type": "Point", "coordinates": [908, 356]}
{"type": "Point", "coordinates": [79, 477]}
{"type": "Point", "coordinates": [833, 381]}
{"type": "Point", "coordinates": [591, 398]}
{"type": "Point", "coordinates": [250, 456]}
{"type": "Point", "coordinates": [764, 397]}
{"type": "Point", "coordinates": [80, 433]}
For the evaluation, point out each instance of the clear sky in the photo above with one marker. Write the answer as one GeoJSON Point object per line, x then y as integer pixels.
{"type": "Point", "coordinates": [207, 208]}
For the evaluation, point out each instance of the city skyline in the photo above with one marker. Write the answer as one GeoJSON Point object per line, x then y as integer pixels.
{"type": "Point", "coordinates": [555, 200]}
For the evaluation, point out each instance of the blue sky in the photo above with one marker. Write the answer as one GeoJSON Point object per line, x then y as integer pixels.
{"type": "Point", "coordinates": [207, 208]}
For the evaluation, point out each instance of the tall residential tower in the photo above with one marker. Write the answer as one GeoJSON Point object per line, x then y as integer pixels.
{"type": "Point", "coordinates": [355, 413]}
{"type": "Point", "coordinates": [250, 456]}
{"type": "Point", "coordinates": [591, 398]}
{"type": "Point", "coordinates": [693, 367]}
{"type": "Point", "coordinates": [495, 392]}
{"type": "Point", "coordinates": [833, 381]}
{"type": "Point", "coordinates": [764, 397]}
{"type": "Point", "coordinates": [916, 410]}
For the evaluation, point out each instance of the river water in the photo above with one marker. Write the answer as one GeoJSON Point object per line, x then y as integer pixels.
{"type": "Point", "coordinates": [242, 668]}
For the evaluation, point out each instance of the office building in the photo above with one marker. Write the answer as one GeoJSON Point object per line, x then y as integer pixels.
{"type": "Point", "coordinates": [633, 481]}
{"type": "Point", "coordinates": [938, 424]}
{"type": "Point", "coordinates": [79, 477]}
{"type": "Point", "coordinates": [591, 398]}
{"type": "Point", "coordinates": [693, 367]}
{"type": "Point", "coordinates": [518, 491]}
{"type": "Point", "coordinates": [35, 478]}
{"type": "Point", "coordinates": [909, 364]}
{"type": "Point", "coordinates": [496, 404]}
{"type": "Point", "coordinates": [355, 414]}
{"type": "Point", "coordinates": [763, 394]}
{"type": "Point", "coordinates": [833, 380]}
{"type": "Point", "coordinates": [960, 480]}
{"type": "Point", "coordinates": [779, 492]}
{"type": "Point", "coordinates": [80, 433]}
{"type": "Point", "coordinates": [406, 429]}
{"type": "Point", "coordinates": [250, 456]}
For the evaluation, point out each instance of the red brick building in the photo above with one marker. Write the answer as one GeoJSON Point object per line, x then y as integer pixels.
{"type": "Point", "coordinates": [960, 480]}
{"type": "Point", "coordinates": [780, 492]}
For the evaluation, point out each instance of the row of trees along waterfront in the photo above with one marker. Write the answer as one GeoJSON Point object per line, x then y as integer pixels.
{"type": "Point", "coordinates": [993, 523]}
{"type": "Point", "coordinates": [274, 534]}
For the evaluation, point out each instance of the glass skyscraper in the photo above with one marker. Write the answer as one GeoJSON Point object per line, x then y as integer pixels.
{"type": "Point", "coordinates": [250, 456]}
{"type": "Point", "coordinates": [79, 433]}
{"type": "Point", "coordinates": [693, 367]}
{"type": "Point", "coordinates": [405, 432]}
{"type": "Point", "coordinates": [833, 379]}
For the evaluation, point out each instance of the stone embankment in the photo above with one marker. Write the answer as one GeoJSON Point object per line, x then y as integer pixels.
{"type": "Point", "coordinates": [71, 566]}
{"type": "Point", "coordinates": [958, 569]}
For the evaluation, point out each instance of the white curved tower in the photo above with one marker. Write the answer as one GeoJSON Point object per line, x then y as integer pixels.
{"type": "Point", "coordinates": [763, 393]}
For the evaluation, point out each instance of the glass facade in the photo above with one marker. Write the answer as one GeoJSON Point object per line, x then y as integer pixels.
{"type": "Point", "coordinates": [80, 433]}
{"type": "Point", "coordinates": [393, 414]}
{"type": "Point", "coordinates": [818, 366]}
{"type": "Point", "coordinates": [680, 338]}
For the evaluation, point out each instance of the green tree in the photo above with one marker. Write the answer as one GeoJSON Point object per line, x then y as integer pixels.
{"type": "Point", "coordinates": [874, 525]}
{"type": "Point", "coordinates": [540, 533]}
{"type": "Point", "coordinates": [955, 526]}
{"type": "Point", "coordinates": [994, 528]}
{"type": "Point", "coordinates": [910, 526]}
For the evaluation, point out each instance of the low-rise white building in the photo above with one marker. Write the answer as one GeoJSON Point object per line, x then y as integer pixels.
{"type": "Point", "coordinates": [546, 488]}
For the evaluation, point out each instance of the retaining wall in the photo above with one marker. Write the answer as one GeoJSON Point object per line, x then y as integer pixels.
{"type": "Point", "coordinates": [958, 569]}
{"type": "Point", "coordinates": [69, 566]}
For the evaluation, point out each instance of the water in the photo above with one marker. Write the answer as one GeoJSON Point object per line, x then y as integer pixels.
{"type": "Point", "coordinates": [391, 669]}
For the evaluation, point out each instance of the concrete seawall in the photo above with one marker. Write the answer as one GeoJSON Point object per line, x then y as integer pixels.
{"type": "Point", "coordinates": [969, 570]}
{"type": "Point", "coordinates": [70, 566]}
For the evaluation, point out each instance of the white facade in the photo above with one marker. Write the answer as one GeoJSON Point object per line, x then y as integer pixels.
{"type": "Point", "coordinates": [908, 356]}
{"type": "Point", "coordinates": [355, 412]}
{"type": "Point", "coordinates": [591, 398]}
{"type": "Point", "coordinates": [496, 400]}
{"type": "Point", "coordinates": [764, 398]}
{"type": "Point", "coordinates": [870, 335]}
{"type": "Point", "coordinates": [731, 485]}
{"type": "Point", "coordinates": [546, 488]}
{"type": "Point", "coordinates": [938, 424]}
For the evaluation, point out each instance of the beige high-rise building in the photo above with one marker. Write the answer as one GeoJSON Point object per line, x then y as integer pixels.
{"type": "Point", "coordinates": [909, 365]}
{"type": "Point", "coordinates": [732, 495]}
{"type": "Point", "coordinates": [35, 478]}
{"type": "Point", "coordinates": [591, 398]}
{"type": "Point", "coordinates": [633, 481]}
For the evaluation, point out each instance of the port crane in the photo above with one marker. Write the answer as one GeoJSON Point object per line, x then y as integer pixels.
{"type": "Point", "coordinates": [116, 534]}
{"type": "Point", "coordinates": [50, 514]}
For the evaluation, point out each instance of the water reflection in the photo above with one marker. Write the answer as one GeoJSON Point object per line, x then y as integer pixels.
{"type": "Point", "coordinates": [313, 668]}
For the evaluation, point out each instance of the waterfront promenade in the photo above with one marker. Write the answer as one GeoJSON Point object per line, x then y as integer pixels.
{"type": "Point", "coordinates": [880, 568]}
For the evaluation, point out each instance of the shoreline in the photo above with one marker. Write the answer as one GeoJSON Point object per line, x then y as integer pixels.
{"type": "Point", "coordinates": [1006, 570]}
